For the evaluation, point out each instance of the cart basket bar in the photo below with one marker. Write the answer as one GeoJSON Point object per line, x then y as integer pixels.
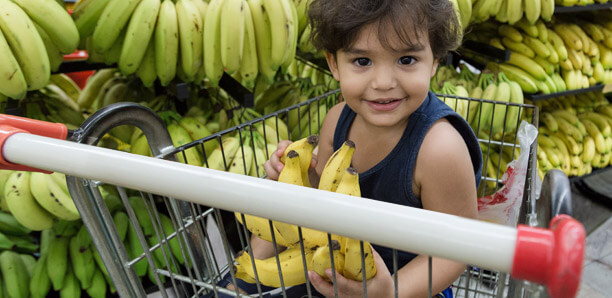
{"type": "Point", "coordinates": [552, 257]}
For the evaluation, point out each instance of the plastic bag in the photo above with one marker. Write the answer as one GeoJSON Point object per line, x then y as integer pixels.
{"type": "Point", "coordinates": [504, 205]}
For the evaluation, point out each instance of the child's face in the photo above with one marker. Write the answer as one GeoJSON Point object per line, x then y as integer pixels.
{"type": "Point", "coordinates": [380, 84]}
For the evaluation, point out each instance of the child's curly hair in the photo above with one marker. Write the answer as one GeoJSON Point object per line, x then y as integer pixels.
{"type": "Point", "coordinates": [336, 23]}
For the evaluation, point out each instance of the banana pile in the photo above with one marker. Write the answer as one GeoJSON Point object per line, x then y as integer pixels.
{"type": "Point", "coordinates": [579, 2]}
{"type": "Point", "coordinates": [511, 11]}
{"type": "Point", "coordinates": [34, 36]}
{"type": "Point", "coordinates": [193, 39]}
{"type": "Point", "coordinates": [319, 252]}
{"type": "Point", "coordinates": [496, 120]}
{"type": "Point", "coordinates": [553, 57]}
{"type": "Point", "coordinates": [575, 134]}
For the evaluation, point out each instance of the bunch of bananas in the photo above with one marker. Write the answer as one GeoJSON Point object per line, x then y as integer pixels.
{"type": "Point", "coordinates": [320, 250]}
{"type": "Point", "coordinates": [36, 200]}
{"type": "Point", "coordinates": [511, 11]}
{"type": "Point", "coordinates": [575, 137]}
{"type": "Point", "coordinates": [34, 35]}
{"type": "Point", "coordinates": [15, 273]}
{"type": "Point", "coordinates": [192, 39]}
{"type": "Point", "coordinates": [553, 57]}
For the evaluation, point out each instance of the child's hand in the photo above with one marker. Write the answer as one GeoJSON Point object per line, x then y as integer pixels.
{"type": "Point", "coordinates": [381, 285]}
{"type": "Point", "coordinates": [274, 166]}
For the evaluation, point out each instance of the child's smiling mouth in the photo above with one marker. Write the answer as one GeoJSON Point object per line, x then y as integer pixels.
{"type": "Point", "coordinates": [385, 104]}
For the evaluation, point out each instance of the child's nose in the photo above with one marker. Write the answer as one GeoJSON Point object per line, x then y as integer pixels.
{"type": "Point", "coordinates": [384, 79]}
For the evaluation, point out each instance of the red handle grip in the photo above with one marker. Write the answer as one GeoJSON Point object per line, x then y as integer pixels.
{"type": "Point", "coordinates": [551, 257]}
{"type": "Point", "coordinates": [10, 125]}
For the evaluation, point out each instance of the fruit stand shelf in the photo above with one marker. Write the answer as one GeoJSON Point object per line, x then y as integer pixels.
{"type": "Point", "coordinates": [538, 96]}
{"type": "Point", "coordinates": [590, 7]}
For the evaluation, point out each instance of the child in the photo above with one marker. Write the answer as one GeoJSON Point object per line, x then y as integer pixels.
{"type": "Point", "coordinates": [411, 149]}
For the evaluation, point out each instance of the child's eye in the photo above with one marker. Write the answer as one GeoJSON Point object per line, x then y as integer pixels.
{"type": "Point", "coordinates": [362, 61]}
{"type": "Point", "coordinates": [407, 60]}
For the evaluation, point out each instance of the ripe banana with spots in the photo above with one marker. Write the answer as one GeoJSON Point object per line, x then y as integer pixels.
{"type": "Point", "coordinates": [290, 261]}
{"type": "Point", "coordinates": [23, 205]}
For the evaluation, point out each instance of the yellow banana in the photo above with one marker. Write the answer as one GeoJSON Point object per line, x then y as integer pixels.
{"type": "Point", "coordinates": [190, 36]}
{"type": "Point", "coordinates": [112, 20]}
{"type": "Point", "coordinates": [304, 148]}
{"type": "Point", "coordinates": [213, 64]}
{"type": "Point", "coordinates": [336, 166]}
{"type": "Point", "coordinates": [595, 133]}
{"type": "Point", "coordinates": [322, 259]}
{"type": "Point", "coordinates": [291, 264]}
{"type": "Point", "coordinates": [589, 149]}
{"type": "Point", "coordinates": [166, 42]}
{"type": "Point", "coordinates": [232, 34]}
{"type": "Point", "coordinates": [527, 64]}
{"type": "Point", "coordinates": [12, 82]}
{"type": "Point", "coordinates": [138, 34]}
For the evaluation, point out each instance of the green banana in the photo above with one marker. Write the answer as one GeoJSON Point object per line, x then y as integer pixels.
{"type": "Point", "coordinates": [98, 285]}
{"type": "Point", "coordinates": [55, 21]}
{"type": "Point", "coordinates": [190, 30]}
{"type": "Point", "coordinates": [181, 137]}
{"type": "Point", "coordinates": [52, 197]}
{"type": "Point", "coordinates": [166, 43]}
{"type": "Point", "coordinates": [15, 275]}
{"type": "Point", "coordinates": [10, 226]}
{"type": "Point", "coordinates": [213, 64]}
{"type": "Point", "coordinates": [249, 66]}
{"type": "Point", "coordinates": [81, 257]}
{"type": "Point", "coordinates": [57, 261]}
{"type": "Point", "coordinates": [13, 85]}
{"type": "Point", "coordinates": [86, 14]}
{"type": "Point", "coordinates": [146, 71]}
{"type": "Point", "coordinates": [94, 85]}
{"type": "Point", "coordinates": [71, 288]}
{"type": "Point", "coordinates": [22, 204]}
{"type": "Point", "coordinates": [113, 19]}
{"type": "Point", "coordinates": [40, 284]}
{"type": "Point", "coordinates": [26, 44]}
{"type": "Point", "coordinates": [139, 32]}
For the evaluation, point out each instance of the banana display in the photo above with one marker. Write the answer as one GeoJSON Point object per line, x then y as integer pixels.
{"type": "Point", "coordinates": [575, 134]}
{"type": "Point", "coordinates": [550, 57]}
{"type": "Point", "coordinates": [320, 250]}
{"type": "Point", "coordinates": [34, 36]}
{"type": "Point", "coordinates": [194, 39]}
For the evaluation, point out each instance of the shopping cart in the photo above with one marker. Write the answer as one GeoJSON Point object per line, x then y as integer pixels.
{"type": "Point", "coordinates": [200, 203]}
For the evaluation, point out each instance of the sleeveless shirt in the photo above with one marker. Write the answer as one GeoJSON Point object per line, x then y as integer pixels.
{"type": "Point", "coordinates": [391, 179]}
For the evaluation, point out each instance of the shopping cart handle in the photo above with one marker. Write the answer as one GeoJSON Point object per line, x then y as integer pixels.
{"type": "Point", "coordinates": [552, 257]}
{"type": "Point", "coordinates": [10, 125]}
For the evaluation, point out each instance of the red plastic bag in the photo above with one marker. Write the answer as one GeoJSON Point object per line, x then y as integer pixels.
{"type": "Point", "coordinates": [504, 205]}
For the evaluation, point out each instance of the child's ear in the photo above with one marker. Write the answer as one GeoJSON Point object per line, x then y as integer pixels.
{"type": "Point", "coordinates": [434, 67]}
{"type": "Point", "coordinates": [332, 63]}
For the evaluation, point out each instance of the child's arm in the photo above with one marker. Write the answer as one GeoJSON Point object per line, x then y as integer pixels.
{"type": "Point", "coordinates": [444, 179]}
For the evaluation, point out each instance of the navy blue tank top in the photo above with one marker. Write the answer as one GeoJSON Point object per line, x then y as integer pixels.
{"type": "Point", "coordinates": [391, 179]}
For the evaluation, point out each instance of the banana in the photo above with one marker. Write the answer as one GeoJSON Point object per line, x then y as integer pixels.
{"type": "Point", "coordinates": [550, 122]}
{"type": "Point", "coordinates": [569, 37]}
{"type": "Point", "coordinates": [322, 259]}
{"type": "Point", "coordinates": [57, 261]}
{"type": "Point", "coordinates": [81, 257]}
{"type": "Point", "coordinates": [12, 80]}
{"type": "Point", "coordinates": [595, 133]}
{"type": "Point", "coordinates": [22, 204]}
{"type": "Point", "coordinates": [241, 162]}
{"type": "Point", "coordinates": [40, 284]}
{"type": "Point", "coordinates": [66, 84]}
{"type": "Point", "coordinates": [166, 42]}
{"type": "Point", "coordinates": [558, 44]}
{"type": "Point", "coordinates": [589, 150]}
{"type": "Point", "coordinates": [15, 275]}
{"type": "Point", "coordinates": [515, 11]}
{"type": "Point", "coordinates": [221, 158]}
{"type": "Point", "coordinates": [121, 221]}
{"type": "Point", "coordinates": [604, 110]}
{"type": "Point", "coordinates": [138, 34]}
{"type": "Point", "coordinates": [336, 166]}
{"type": "Point", "coordinates": [304, 148]}
{"type": "Point", "coordinates": [55, 56]}
{"type": "Point", "coordinates": [86, 14]}
{"type": "Point", "coordinates": [115, 16]}
{"type": "Point", "coordinates": [55, 21]}
{"type": "Point", "coordinates": [26, 44]}
{"type": "Point", "coordinates": [292, 23]}
{"type": "Point", "coordinates": [260, 227]}
{"type": "Point", "coordinates": [181, 137]}
{"type": "Point", "coordinates": [190, 36]}
{"type": "Point", "coordinates": [197, 130]}
{"type": "Point", "coordinates": [262, 28]}
{"type": "Point", "coordinates": [527, 27]}
{"type": "Point", "coordinates": [291, 174]}
{"type": "Point", "coordinates": [569, 130]}
{"type": "Point", "coordinates": [93, 87]}
{"type": "Point", "coordinates": [257, 168]}
{"type": "Point", "coordinates": [533, 9]}
{"type": "Point", "coordinates": [232, 32]}
{"type": "Point", "coordinates": [527, 82]}
{"type": "Point", "coordinates": [213, 64]}
{"type": "Point", "coordinates": [249, 67]}
{"type": "Point", "coordinates": [568, 116]}
{"type": "Point", "coordinates": [547, 9]}
{"type": "Point", "coordinates": [52, 197]}
{"type": "Point", "coordinates": [146, 71]}
{"type": "Point", "coordinates": [279, 31]}
{"type": "Point", "coordinates": [554, 56]}
{"type": "Point", "coordinates": [71, 288]}
{"type": "Point", "coordinates": [290, 261]}
{"type": "Point", "coordinates": [141, 210]}
{"type": "Point", "coordinates": [98, 285]}
{"type": "Point", "coordinates": [519, 47]}
{"type": "Point", "coordinates": [175, 247]}
{"type": "Point", "coordinates": [527, 64]}
{"type": "Point", "coordinates": [600, 120]}
{"type": "Point", "coordinates": [134, 249]}
{"type": "Point", "coordinates": [510, 32]}
{"type": "Point", "coordinates": [10, 226]}
{"type": "Point", "coordinates": [538, 47]}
